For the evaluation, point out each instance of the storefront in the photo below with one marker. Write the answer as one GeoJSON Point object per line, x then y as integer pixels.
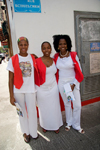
{"type": "Point", "coordinates": [40, 20]}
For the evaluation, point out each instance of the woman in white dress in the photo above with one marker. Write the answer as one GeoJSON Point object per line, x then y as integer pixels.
{"type": "Point", "coordinates": [67, 63]}
{"type": "Point", "coordinates": [50, 116]}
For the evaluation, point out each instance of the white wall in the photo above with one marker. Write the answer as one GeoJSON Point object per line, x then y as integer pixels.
{"type": "Point", "coordinates": [56, 17]}
{"type": "Point", "coordinates": [12, 27]}
{"type": "Point", "coordinates": [0, 27]}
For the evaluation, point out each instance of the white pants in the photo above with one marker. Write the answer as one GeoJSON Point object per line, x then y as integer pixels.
{"type": "Point", "coordinates": [72, 116]}
{"type": "Point", "coordinates": [28, 122]}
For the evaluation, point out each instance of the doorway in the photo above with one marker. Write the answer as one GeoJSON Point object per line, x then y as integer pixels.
{"type": "Point", "coordinates": [87, 40]}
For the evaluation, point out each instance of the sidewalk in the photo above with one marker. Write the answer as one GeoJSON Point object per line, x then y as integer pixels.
{"type": "Point", "coordinates": [11, 137]}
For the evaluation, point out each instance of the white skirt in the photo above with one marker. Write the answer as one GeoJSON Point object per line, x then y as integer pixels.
{"type": "Point", "coordinates": [50, 116]}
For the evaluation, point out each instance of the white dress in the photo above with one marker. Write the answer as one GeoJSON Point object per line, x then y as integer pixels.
{"type": "Point", "coordinates": [50, 116]}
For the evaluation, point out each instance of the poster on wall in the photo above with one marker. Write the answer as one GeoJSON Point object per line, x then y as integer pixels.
{"type": "Point", "coordinates": [95, 46]}
{"type": "Point", "coordinates": [94, 63]}
{"type": "Point", "coordinates": [27, 6]}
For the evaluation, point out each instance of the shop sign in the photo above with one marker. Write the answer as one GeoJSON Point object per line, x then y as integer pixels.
{"type": "Point", "coordinates": [28, 6]}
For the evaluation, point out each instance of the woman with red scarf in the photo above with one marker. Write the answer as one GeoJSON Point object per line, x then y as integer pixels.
{"type": "Point", "coordinates": [22, 70]}
{"type": "Point", "coordinates": [50, 116]}
{"type": "Point", "coordinates": [69, 73]}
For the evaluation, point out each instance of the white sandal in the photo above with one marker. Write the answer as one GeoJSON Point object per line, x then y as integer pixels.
{"type": "Point", "coordinates": [81, 131]}
{"type": "Point", "coordinates": [67, 128]}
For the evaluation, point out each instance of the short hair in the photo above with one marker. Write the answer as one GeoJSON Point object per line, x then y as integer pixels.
{"type": "Point", "coordinates": [44, 43]}
{"type": "Point", "coordinates": [56, 39]}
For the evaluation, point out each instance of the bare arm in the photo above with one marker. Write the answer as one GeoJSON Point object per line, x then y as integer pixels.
{"type": "Point", "coordinates": [11, 81]}
{"type": "Point", "coordinates": [35, 56]}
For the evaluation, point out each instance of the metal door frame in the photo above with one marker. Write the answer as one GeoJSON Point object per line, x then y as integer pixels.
{"type": "Point", "coordinates": [77, 16]}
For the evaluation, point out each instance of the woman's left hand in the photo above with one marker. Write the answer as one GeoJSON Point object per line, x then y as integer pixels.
{"type": "Point", "coordinates": [72, 86]}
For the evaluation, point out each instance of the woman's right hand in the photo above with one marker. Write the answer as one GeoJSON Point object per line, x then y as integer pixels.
{"type": "Point", "coordinates": [11, 81]}
{"type": "Point", "coordinates": [12, 101]}
{"type": "Point", "coordinates": [72, 86]}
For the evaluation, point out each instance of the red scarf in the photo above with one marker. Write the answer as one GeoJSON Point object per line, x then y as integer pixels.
{"type": "Point", "coordinates": [78, 73]}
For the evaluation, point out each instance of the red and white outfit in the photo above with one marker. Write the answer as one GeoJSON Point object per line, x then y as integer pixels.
{"type": "Point", "coordinates": [50, 116]}
{"type": "Point", "coordinates": [24, 69]}
{"type": "Point", "coordinates": [70, 72]}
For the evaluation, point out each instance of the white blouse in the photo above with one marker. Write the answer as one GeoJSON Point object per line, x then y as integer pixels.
{"type": "Point", "coordinates": [27, 68]}
{"type": "Point", "coordinates": [66, 69]}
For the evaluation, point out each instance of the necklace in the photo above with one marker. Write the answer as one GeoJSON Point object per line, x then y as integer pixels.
{"type": "Point", "coordinates": [64, 55]}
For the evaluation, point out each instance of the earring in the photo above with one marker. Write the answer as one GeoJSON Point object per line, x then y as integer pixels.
{"type": "Point", "coordinates": [58, 47]}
